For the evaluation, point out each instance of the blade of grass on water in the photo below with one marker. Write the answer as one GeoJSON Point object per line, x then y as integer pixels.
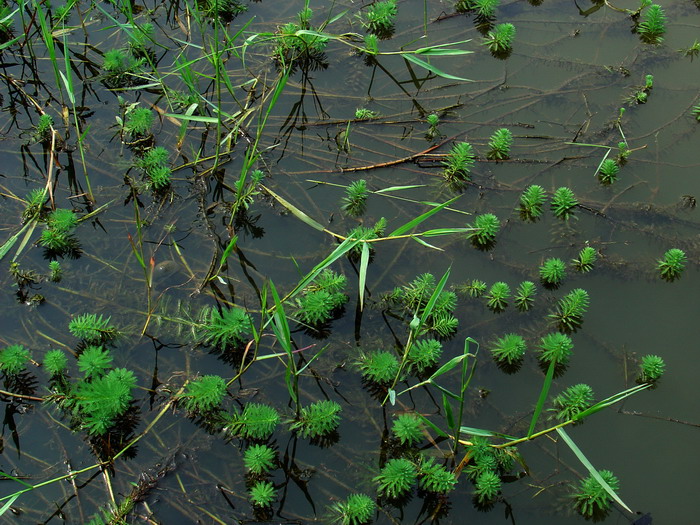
{"type": "Point", "coordinates": [543, 396]}
{"type": "Point", "coordinates": [415, 222]}
{"type": "Point", "coordinates": [364, 261]}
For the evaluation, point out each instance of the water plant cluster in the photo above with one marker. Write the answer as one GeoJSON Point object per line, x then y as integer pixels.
{"type": "Point", "coordinates": [243, 292]}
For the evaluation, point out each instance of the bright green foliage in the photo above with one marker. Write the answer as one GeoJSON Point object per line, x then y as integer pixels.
{"type": "Point", "coordinates": [482, 464]}
{"type": "Point", "coordinates": [572, 401]}
{"type": "Point", "coordinates": [293, 46]}
{"type": "Point", "coordinates": [651, 368]}
{"type": "Point", "coordinates": [263, 493]}
{"type": "Point", "coordinates": [103, 399]}
{"type": "Point", "coordinates": [13, 359]}
{"type": "Point", "coordinates": [531, 202]}
{"type": "Point", "coordinates": [139, 122]}
{"type": "Point", "coordinates": [224, 10]}
{"type": "Point", "coordinates": [153, 157]}
{"type": "Point", "coordinates": [366, 233]}
{"type": "Point", "coordinates": [407, 429]}
{"type": "Point", "coordinates": [160, 177]}
{"type": "Point", "coordinates": [257, 421]}
{"type": "Point", "coordinates": [696, 112]}
{"type": "Point", "coordinates": [424, 354]}
{"type": "Point", "coordinates": [487, 486]}
{"type": "Point", "coordinates": [379, 17]}
{"type": "Point", "coordinates": [497, 298]}
{"type": "Point", "coordinates": [92, 329]}
{"type": "Point", "coordinates": [378, 366]}
{"type": "Point", "coordinates": [259, 459]}
{"type": "Point", "coordinates": [56, 240]}
{"type": "Point", "coordinates": [435, 478]}
{"type": "Point", "coordinates": [653, 25]}
{"type": "Point", "coordinates": [607, 174]}
{"type": "Point", "coordinates": [475, 288]}
{"type": "Point", "coordinates": [499, 145]}
{"type": "Point", "coordinates": [115, 61]}
{"type": "Point", "coordinates": [318, 419]}
{"type": "Point", "coordinates": [141, 37]}
{"type": "Point", "coordinates": [500, 38]}
{"type": "Point", "coordinates": [457, 165]}
{"type": "Point", "coordinates": [229, 327]}
{"type": "Point", "coordinates": [94, 361]}
{"type": "Point", "coordinates": [55, 362]}
{"type": "Point", "coordinates": [318, 300]}
{"type": "Point", "coordinates": [415, 296]}
{"type": "Point", "coordinates": [486, 226]}
{"type": "Point", "coordinates": [570, 310]}
{"type": "Point", "coordinates": [623, 152]}
{"type": "Point", "coordinates": [55, 271]}
{"type": "Point", "coordinates": [509, 349]}
{"type": "Point", "coordinates": [42, 130]}
{"type": "Point", "coordinates": [672, 265]}
{"type": "Point", "coordinates": [563, 203]}
{"type": "Point", "coordinates": [648, 82]}
{"type": "Point", "coordinates": [204, 394]}
{"type": "Point", "coordinates": [371, 44]}
{"type": "Point", "coordinates": [119, 67]}
{"type": "Point", "coordinates": [585, 260]}
{"type": "Point", "coordinates": [552, 271]}
{"type": "Point", "coordinates": [355, 510]}
{"type": "Point", "coordinates": [34, 203]}
{"type": "Point", "coordinates": [556, 347]}
{"type": "Point", "coordinates": [591, 498]}
{"type": "Point", "coordinates": [365, 114]}
{"type": "Point", "coordinates": [525, 295]}
{"type": "Point", "coordinates": [62, 220]}
{"type": "Point", "coordinates": [355, 201]}
{"type": "Point", "coordinates": [396, 478]}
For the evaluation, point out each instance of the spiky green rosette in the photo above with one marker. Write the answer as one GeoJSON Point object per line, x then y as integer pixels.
{"type": "Point", "coordinates": [396, 478]}
{"type": "Point", "coordinates": [378, 366]}
{"type": "Point", "coordinates": [552, 271]}
{"type": "Point", "coordinates": [379, 17]}
{"type": "Point", "coordinates": [487, 486]}
{"type": "Point", "coordinates": [355, 201]}
{"type": "Point", "coordinates": [556, 347]}
{"type": "Point", "coordinates": [55, 362]}
{"type": "Point", "coordinates": [262, 493]}
{"type": "Point", "coordinates": [653, 25]}
{"type": "Point", "coordinates": [500, 39]}
{"type": "Point", "coordinates": [259, 459]}
{"type": "Point", "coordinates": [94, 361]}
{"type": "Point", "coordinates": [608, 171]}
{"type": "Point", "coordinates": [651, 368]}
{"type": "Point", "coordinates": [92, 328]}
{"type": "Point", "coordinates": [672, 265]}
{"type": "Point", "coordinates": [424, 353]}
{"type": "Point", "coordinates": [407, 429]}
{"type": "Point", "coordinates": [257, 421]}
{"type": "Point", "coordinates": [458, 164]}
{"type": "Point", "coordinates": [591, 498]}
{"type": "Point", "coordinates": [139, 122]}
{"type": "Point", "coordinates": [531, 202]}
{"type": "Point", "coordinates": [509, 349]}
{"type": "Point", "coordinates": [204, 393]}
{"type": "Point", "coordinates": [585, 260]}
{"type": "Point", "coordinates": [570, 309]}
{"type": "Point", "coordinates": [572, 401]}
{"type": "Point", "coordinates": [563, 203]}
{"type": "Point", "coordinates": [228, 327]}
{"type": "Point", "coordinates": [318, 419]}
{"type": "Point", "coordinates": [357, 509]}
{"type": "Point", "coordinates": [14, 359]}
{"type": "Point", "coordinates": [499, 145]}
{"type": "Point", "coordinates": [435, 477]}
{"type": "Point", "coordinates": [525, 295]}
{"type": "Point", "coordinates": [484, 231]}
{"type": "Point", "coordinates": [497, 297]}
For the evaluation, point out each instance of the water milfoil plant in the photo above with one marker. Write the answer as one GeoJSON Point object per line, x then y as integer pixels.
{"type": "Point", "coordinates": [531, 202]}
{"type": "Point", "coordinates": [500, 39]}
{"type": "Point", "coordinates": [672, 265]}
{"type": "Point", "coordinates": [458, 164]}
{"type": "Point", "coordinates": [499, 144]}
{"type": "Point", "coordinates": [484, 230]}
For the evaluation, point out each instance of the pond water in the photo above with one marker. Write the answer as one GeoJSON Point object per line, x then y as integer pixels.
{"type": "Point", "coordinates": [152, 259]}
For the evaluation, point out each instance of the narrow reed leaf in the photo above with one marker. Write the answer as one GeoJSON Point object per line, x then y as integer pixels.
{"type": "Point", "coordinates": [432, 69]}
{"type": "Point", "coordinates": [415, 222]}
{"type": "Point", "coordinates": [543, 397]}
{"type": "Point", "coordinates": [294, 210]}
{"type": "Point", "coordinates": [364, 262]}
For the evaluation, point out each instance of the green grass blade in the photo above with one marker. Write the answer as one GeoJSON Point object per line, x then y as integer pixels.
{"type": "Point", "coordinates": [8, 504]}
{"type": "Point", "coordinates": [584, 460]}
{"type": "Point", "coordinates": [399, 188]}
{"type": "Point", "coordinates": [543, 397]}
{"type": "Point", "coordinates": [600, 405]}
{"type": "Point", "coordinates": [415, 222]}
{"type": "Point", "coordinates": [229, 248]}
{"type": "Point", "coordinates": [364, 262]}
{"type": "Point", "coordinates": [432, 69]}
{"type": "Point", "coordinates": [294, 210]}
{"type": "Point", "coordinates": [434, 297]}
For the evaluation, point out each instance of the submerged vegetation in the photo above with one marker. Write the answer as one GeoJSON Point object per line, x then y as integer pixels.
{"type": "Point", "coordinates": [223, 267]}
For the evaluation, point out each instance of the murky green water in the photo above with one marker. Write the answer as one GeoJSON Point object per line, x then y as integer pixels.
{"type": "Point", "coordinates": [565, 81]}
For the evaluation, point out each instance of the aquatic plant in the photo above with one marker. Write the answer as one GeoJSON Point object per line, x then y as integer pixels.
{"type": "Point", "coordinates": [138, 122]}
{"type": "Point", "coordinates": [100, 401]}
{"type": "Point", "coordinates": [43, 129]}
{"type": "Point", "coordinates": [92, 329]}
{"type": "Point", "coordinates": [407, 429]}
{"type": "Point", "coordinates": [607, 173]}
{"type": "Point", "coordinates": [55, 362]}
{"type": "Point", "coordinates": [365, 114]}
{"type": "Point", "coordinates": [509, 349]}
{"type": "Point", "coordinates": [355, 510]}
{"type": "Point", "coordinates": [317, 419]}
{"type": "Point", "coordinates": [556, 347]}
{"type": "Point", "coordinates": [34, 203]}
{"type": "Point", "coordinates": [56, 240]}
{"type": "Point", "coordinates": [525, 295]}
{"type": "Point", "coordinates": [379, 17]}
{"type": "Point", "coordinates": [424, 354]}
{"type": "Point", "coordinates": [623, 152]}
{"type": "Point", "coordinates": [259, 459]}
{"type": "Point", "coordinates": [531, 202]}
{"type": "Point", "coordinates": [585, 260]}
{"type": "Point", "coordinates": [355, 201]}
{"type": "Point", "coordinates": [434, 477]}
{"type": "Point", "coordinates": [475, 288]}
{"type": "Point", "coordinates": [317, 302]}
{"type": "Point", "coordinates": [159, 177]}
{"type": "Point", "coordinates": [94, 361]}
{"type": "Point", "coordinates": [570, 309]}
{"type": "Point", "coordinates": [552, 271]}
{"type": "Point", "coordinates": [651, 369]}
{"type": "Point", "coordinates": [695, 111]}
{"type": "Point", "coordinates": [13, 359]}
{"type": "Point", "coordinates": [500, 39]}
{"type": "Point", "coordinates": [653, 25]}
{"type": "Point", "coordinates": [485, 228]}
{"type": "Point", "coordinates": [291, 46]}
{"type": "Point", "coordinates": [458, 164]}
{"type": "Point", "coordinates": [433, 121]}
{"type": "Point", "coordinates": [563, 203]}
{"type": "Point", "coordinates": [672, 265]}
{"type": "Point", "coordinates": [256, 421]}
{"type": "Point", "coordinates": [487, 486]}
{"type": "Point", "coordinates": [378, 366]}
{"type": "Point", "coordinates": [591, 498]}
{"type": "Point", "coordinates": [262, 493]}
{"type": "Point", "coordinates": [224, 10]}
{"type": "Point", "coordinates": [55, 271]}
{"type": "Point", "coordinates": [691, 51]}
{"type": "Point", "coordinates": [572, 401]}
{"type": "Point", "coordinates": [204, 394]}
{"type": "Point", "coordinates": [120, 68]}
{"type": "Point", "coordinates": [499, 144]}
{"type": "Point", "coordinates": [497, 297]}
{"type": "Point", "coordinates": [396, 478]}
{"type": "Point", "coordinates": [366, 234]}
{"type": "Point", "coordinates": [228, 327]}
{"type": "Point", "coordinates": [371, 44]}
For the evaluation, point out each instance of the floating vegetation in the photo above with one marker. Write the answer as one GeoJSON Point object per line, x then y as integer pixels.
{"type": "Point", "coordinates": [672, 265]}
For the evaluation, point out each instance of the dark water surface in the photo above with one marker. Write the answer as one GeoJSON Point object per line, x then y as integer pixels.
{"type": "Point", "coordinates": [565, 81]}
